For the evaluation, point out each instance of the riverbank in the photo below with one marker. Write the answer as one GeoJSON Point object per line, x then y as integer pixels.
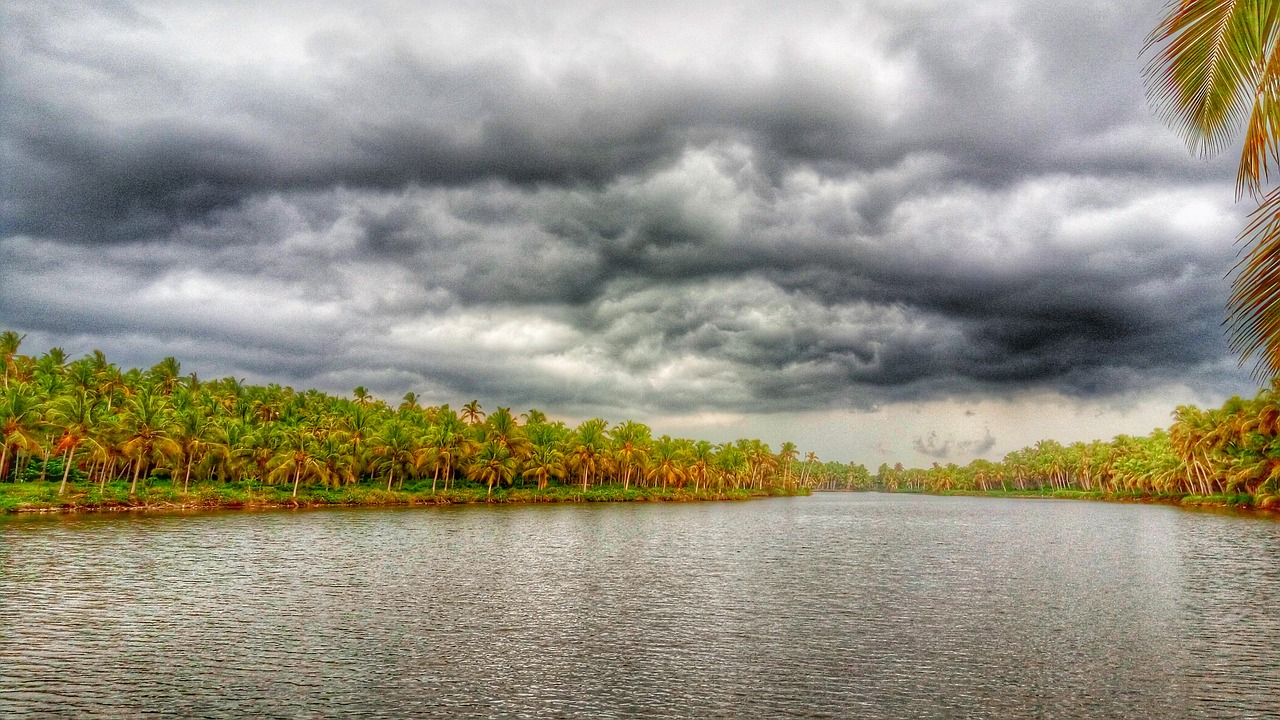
{"type": "Point", "coordinates": [1237, 501]}
{"type": "Point", "coordinates": [34, 497]}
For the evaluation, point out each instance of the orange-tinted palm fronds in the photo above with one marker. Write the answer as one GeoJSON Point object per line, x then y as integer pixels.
{"type": "Point", "coordinates": [1263, 131]}
{"type": "Point", "coordinates": [1218, 63]}
{"type": "Point", "coordinates": [1211, 59]}
{"type": "Point", "coordinates": [1254, 308]}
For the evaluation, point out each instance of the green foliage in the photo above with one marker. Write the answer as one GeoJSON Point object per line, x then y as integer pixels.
{"type": "Point", "coordinates": [1225, 456]}
{"type": "Point", "coordinates": [52, 469]}
{"type": "Point", "coordinates": [1215, 70]}
{"type": "Point", "coordinates": [157, 438]}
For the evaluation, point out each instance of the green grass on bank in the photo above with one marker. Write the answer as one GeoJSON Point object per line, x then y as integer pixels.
{"type": "Point", "coordinates": [1234, 500]}
{"type": "Point", "coordinates": [161, 495]}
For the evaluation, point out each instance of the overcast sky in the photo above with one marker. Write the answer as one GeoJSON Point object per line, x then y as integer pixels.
{"type": "Point", "coordinates": [892, 230]}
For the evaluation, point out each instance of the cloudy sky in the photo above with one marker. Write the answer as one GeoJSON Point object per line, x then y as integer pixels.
{"type": "Point", "coordinates": [888, 230]}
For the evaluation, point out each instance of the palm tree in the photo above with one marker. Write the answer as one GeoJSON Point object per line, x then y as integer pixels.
{"type": "Point", "coordinates": [809, 459]}
{"type": "Point", "coordinates": [297, 461]}
{"type": "Point", "coordinates": [228, 449]}
{"type": "Point", "coordinates": [149, 426]}
{"type": "Point", "coordinates": [788, 453]}
{"type": "Point", "coordinates": [19, 420]}
{"type": "Point", "coordinates": [409, 402]}
{"type": "Point", "coordinates": [192, 428]}
{"type": "Point", "coordinates": [472, 413]}
{"type": "Point", "coordinates": [502, 428]}
{"type": "Point", "coordinates": [9, 343]}
{"type": "Point", "coordinates": [545, 463]}
{"type": "Point", "coordinates": [116, 425]}
{"type": "Point", "coordinates": [730, 463]}
{"type": "Point", "coordinates": [335, 454]}
{"type": "Point", "coordinates": [73, 415]}
{"type": "Point", "coordinates": [701, 455]}
{"type": "Point", "coordinates": [1218, 63]}
{"type": "Point", "coordinates": [587, 448]}
{"type": "Point", "coordinates": [164, 375]}
{"type": "Point", "coordinates": [397, 447]}
{"type": "Point", "coordinates": [631, 448]}
{"type": "Point", "coordinates": [493, 465]}
{"type": "Point", "coordinates": [358, 423]}
{"type": "Point", "coordinates": [667, 463]}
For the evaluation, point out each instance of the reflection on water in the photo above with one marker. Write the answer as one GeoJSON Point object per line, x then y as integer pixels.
{"type": "Point", "coordinates": [875, 606]}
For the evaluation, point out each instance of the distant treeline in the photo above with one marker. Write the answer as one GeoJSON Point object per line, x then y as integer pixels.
{"type": "Point", "coordinates": [87, 425]}
{"type": "Point", "coordinates": [1233, 451]}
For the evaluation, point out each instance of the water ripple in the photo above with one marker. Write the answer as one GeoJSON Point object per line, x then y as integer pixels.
{"type": "Point", "coordinates": [836, 606]}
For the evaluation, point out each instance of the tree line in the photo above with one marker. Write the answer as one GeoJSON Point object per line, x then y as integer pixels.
{"type": "Point", "coordinates": [1233, 450]}
{"type": "Point", "coordinates": [86, 423]}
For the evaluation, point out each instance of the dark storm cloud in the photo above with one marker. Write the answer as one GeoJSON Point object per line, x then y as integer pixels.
{"type": "Point", "coordinates": [183, 139]}
{"type": "Point", "coordinates": [749, 207]}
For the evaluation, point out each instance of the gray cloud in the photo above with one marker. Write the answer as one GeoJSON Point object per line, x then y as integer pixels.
{"type": "Point", "coordinates": [938, 448]}
{"type": "Point", "coordinates": [741, 208]}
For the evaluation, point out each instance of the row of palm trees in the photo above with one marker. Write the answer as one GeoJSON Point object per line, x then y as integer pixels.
{"type": "Point", "coordinates": [87, 422]}
{"type": "Point", "coordinates": [1231, 450]}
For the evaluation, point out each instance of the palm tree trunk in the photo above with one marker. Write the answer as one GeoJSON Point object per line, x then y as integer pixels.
{"type": "Point", "coordinates": [186, 479]}
{"type": "Point", "coordinates": [66, 470]}
{"type": "Point", "coordinates": [137, 468]}
{"type": "Point", "coordinates": [297, 477]}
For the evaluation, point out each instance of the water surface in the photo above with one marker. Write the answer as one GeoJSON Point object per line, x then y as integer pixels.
{"type": "Point", "coordinates": [838, 605]}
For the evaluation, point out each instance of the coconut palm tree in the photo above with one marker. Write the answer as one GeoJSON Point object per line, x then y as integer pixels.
{"type": "Point", "coordinates": [1216, 66]}
{"type": "Point", "coordinates": [164, 375]}
{"type": "Point", "coordinates": [502, 428]}
{"type": "Point", "coordinates": [700, 455]}
{"type": "Point", "coordinates": [631, 443]}
{"type": "Point", "coordinates": [73, 416]}
{"type": "Point", "coordinates": [10, 341]}
{"type": "Point", "coordinates": [471, 412]}
{"type": "Point", "coordinates": [545, 462]}
{"type": "Point", "coordinates": [149, 426]}
{"type": "Point", "coordinates": [788, 453]}
{"type": "Point", "coordinates": [586, 449]}
{"type": "Point", "coordinates": [396, 446]}
{"type": "Point", "coordinates": [227, 452]}
{"type": "Point", "coordinates": [667, 462]}
{"type": "Point", "coordinates": [493, 465]}
{"type": "Point", "coordinates": [192, 428]}
{"type": "Point", "coordinates": [296, 460]}
{"type": "Point", "coordinates": [409, 401]}
{"type": "Point", "coordinates": [19, 423]}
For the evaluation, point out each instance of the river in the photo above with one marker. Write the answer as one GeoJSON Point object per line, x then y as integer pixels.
{"type": "Point", "coordinates": [838, 605]}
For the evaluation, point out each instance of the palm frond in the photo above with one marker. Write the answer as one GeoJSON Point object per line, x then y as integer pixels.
{"type": "Point", "coordinates": [1253, 312]}
{"type": "Point", "coordinates": [1210, 61]}
{"type": "Point", "coordinates": [1263, 131]}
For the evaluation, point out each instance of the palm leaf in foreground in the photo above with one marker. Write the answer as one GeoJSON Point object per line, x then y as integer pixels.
{"type": "Point", "coordinates": [1218, 63]}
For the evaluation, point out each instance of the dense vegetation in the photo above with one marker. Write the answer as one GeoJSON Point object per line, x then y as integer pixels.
{"type": "Point", "coordinates": [86, 431]}
{"type": "Point", "coordinates": [1230, 455]}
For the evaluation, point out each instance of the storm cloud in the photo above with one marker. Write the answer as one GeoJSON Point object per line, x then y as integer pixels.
{"type": "Point", "coordinates": [604, 208]}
